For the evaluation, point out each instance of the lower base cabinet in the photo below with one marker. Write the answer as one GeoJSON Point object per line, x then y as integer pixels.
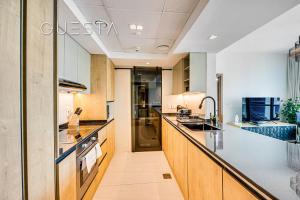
{"type": "Point", "coordinates": [198, 176]}
{"type": "Point", "coordinates": [204, 176]}
{"type": "Point", "coordinates": [108, 150]}
{"type": "Point", "coordinates": [232, 189]}
{"type": "Point", "coordinates": [67, 177]}
{"type": "Point", "coordinates": [180, 162]}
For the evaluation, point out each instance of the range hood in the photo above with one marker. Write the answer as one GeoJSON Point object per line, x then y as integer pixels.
{"type": "Point", "coordinates": [70, 86]}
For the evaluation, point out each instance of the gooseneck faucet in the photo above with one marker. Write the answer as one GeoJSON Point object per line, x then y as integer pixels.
{"type": "Point", "coordinates": [214, 101]}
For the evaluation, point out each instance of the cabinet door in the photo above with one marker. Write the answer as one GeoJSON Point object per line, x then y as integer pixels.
{"type": "Point", "coordinates": [204, 176]}
{"type": "Point", "coordinates": [178, 78]}
{"type": "Point", "coordinates": [61, 54]}
{"type": "Point", "coordinates": [84, 68]}
{"type": "Point", "coordinates": [110, 140]}
{"type": "Point", "coordinates": [180, 162]}
{"type": "Point", "coordinates": [67, 177]}
{"type": "Point", "coordinates": [110, 80]}
{"type": "Point", "coordinates": [70, 59]}
{"type": "Point", "coordinates": [163, 135]}
{"type": "Point", "coordinates": [232, 189]}
{"type": "Point", "coordinates": [170, 151]}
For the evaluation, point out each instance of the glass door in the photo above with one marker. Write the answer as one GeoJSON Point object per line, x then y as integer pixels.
{"type": "Point", "coordinates": [146, 105]}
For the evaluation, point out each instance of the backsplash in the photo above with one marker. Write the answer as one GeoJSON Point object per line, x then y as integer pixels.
{"type": "Point", "coordinates": [65, 106]}
{"type": "Point", "coordinates": [190, 101]}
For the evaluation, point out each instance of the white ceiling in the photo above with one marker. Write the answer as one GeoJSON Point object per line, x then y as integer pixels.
{"type": "Point", "coordinates": [277, 36]}
{"type": "Point", "coordinates": [183, 24]}
{"type": "Point", "coordinates": [162, 20]}
{"type": "Point", "coordinates": [231, 20]}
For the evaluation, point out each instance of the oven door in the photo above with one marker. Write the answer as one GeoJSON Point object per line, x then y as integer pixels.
{"type": "Point", "coordinates": [85, 178]}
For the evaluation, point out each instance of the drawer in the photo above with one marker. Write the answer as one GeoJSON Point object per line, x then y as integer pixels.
{"type": "Point", "coordinates": [103, 149]}
{"type": "Point", "coordinates": [102, 135]}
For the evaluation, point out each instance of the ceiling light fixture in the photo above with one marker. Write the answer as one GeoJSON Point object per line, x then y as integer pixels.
{"type": "Point", "coordinates": [139, 27]}
{"type": "Point", "coordinates": [213, 37]}
{"type": "Point", "coordinates": [163, 47]}
{"type": "Point", "coordinates": [132, 27]}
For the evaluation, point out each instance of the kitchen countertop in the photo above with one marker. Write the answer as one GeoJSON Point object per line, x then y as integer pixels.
{"type": "Point", "coordinates": [68, 139]}
{"type": "Point", "coordinates": [256, 159]}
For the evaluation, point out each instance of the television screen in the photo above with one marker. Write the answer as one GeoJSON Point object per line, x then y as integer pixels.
{"type": "Point", "coordinates": [256, 109]}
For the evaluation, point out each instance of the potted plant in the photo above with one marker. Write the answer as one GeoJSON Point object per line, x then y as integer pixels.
{"type": "Point", "coordinates": [289, 110]}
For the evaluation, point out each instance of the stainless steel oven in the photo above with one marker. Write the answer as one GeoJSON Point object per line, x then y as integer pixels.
{"type": "Point", "coordinates": [85, 178]}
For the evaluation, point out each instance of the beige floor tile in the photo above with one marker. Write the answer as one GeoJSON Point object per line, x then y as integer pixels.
{"type": "Point", "coordinates": [138, 176]}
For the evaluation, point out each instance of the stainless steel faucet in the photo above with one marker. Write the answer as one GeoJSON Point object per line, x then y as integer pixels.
{"type": "Point", "coordinates": [214, 119]}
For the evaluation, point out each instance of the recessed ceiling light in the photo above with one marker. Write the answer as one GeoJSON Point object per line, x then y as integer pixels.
{"type": "Point", "coordinates": [213, 37]}
{"type": "Point", "coordinates": [132, 27]}
{"type": "Point", "coordinates": [163, 47]}
{"type": "Point", "coordinates": [139, 27]}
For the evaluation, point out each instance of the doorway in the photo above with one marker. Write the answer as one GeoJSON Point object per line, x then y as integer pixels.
{"type": "Point", "coordinates": [146, 88]}
{"type": "Point", "coordinates": [220, 96]}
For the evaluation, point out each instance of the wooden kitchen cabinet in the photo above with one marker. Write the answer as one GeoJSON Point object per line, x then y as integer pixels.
{"type": "Point", "coordinates": [164, 125]}
{"type": "Point", "coordinates": [190, 74]}
{"type": "Point", "coordinates": [108, 149]}
{"type": "Point", "coordinates": [110, 140]}
{"type": "Point", "coordinates": [232, 189]}
{"type": "Point", "coordinates": [110, 94]}
{"type": "Point", "coordinates": [67, 177]}
{"type": "Point", "coordinates": [102, 89]}
{"type": "Point", "coordinates": [180, 158]}
{"type": "Point", "coordinates": [204, 176]}
{"type": "Point", "coordinates": [178, 78]}
{"type": "Point", "coordinates": [169, 151]}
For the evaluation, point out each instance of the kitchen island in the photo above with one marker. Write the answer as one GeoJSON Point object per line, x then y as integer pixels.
{"type": "Point", "coordinates": [258, 163]}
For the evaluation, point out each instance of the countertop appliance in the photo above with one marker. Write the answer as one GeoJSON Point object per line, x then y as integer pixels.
{"type": "Point", "coordinates": [83, 177]}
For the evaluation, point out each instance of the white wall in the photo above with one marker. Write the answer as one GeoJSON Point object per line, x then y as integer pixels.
{"type": "Point", "coordinates": [250, 75]}
{"type": "Point", "coordinates": [65, 106]}
{"type": "Point", "coordinates": [122, 110]}
{"type": "Point", "coordinates": [211, 84]}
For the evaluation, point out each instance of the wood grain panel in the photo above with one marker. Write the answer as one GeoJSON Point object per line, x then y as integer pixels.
{"type": "Point", "coordinates": [110, 78]}
{"type": "Point", "coordinates": [204, 176]}
{"type": "Point", "coordinates": [67, 177]}
{"type": "Point", "coordinates": [232, 189]}
{"type": "Point", "coordinates": [10, 133]}
{"type": "Point", "coordinates": [180, 162]}
{"type": "Point", "coordinates": [94, 104]}
{"type": "Point", "coordinates": [40, 105]}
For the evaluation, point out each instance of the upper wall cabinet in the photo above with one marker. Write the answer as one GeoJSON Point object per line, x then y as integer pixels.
{"type": "Point", "coordinates": [102, 89]}
{"type": "Point", "coordinates": [190, 74]}
{"type": "Point", "coordinates": [84, 68]}
{"type": "Point", "coordinates": [70, 59]}
{"type": "Point", "coordinates": [74, 62]}
{"type": "Point", "coordinates": [110, 73]}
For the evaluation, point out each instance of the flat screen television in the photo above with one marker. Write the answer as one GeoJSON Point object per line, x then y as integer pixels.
{"type": "Point", "coordinates": [258, 109]}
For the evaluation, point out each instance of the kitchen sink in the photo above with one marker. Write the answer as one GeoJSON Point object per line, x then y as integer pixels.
{"type": "Point", "coordinates": [199, 127]}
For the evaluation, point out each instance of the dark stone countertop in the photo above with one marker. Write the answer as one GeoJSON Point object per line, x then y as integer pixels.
{"type": "Point", "coordinates": [68, 139]}
{"type": "Point", "coordinates": [259, 161]}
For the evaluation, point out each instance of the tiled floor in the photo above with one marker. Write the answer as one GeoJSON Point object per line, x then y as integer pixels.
{"type": "Point", "coordinates": [138, 176]}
